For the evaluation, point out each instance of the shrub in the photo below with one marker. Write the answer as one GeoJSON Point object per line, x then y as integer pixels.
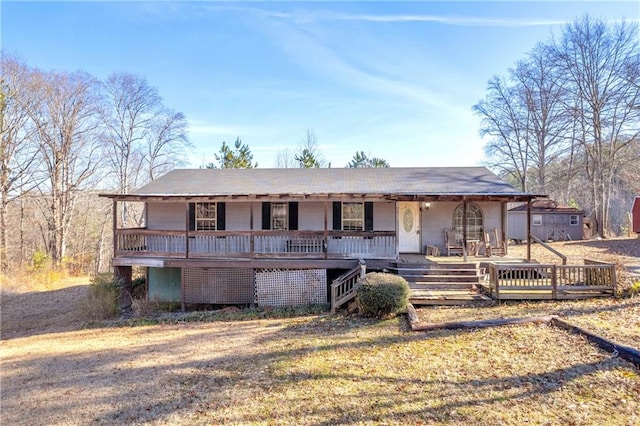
{"type": "Point", "coordinates": [40, 261]}
{"type": "Point", "coordinates": [634, 289]}
{"type": "Point", "coordinates": [102, 298]}
{"type": "Point", "coordinates": [142, 307]}
{"type": "Point", "coordinates": [380, 294]}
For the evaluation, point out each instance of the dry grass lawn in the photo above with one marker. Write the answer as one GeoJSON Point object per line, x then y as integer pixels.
{"type": "Point", "coordinates": [316, 370]}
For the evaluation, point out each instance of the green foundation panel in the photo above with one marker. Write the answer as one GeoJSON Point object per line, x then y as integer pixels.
{"type": "Point", "coordinates": [164, 284]}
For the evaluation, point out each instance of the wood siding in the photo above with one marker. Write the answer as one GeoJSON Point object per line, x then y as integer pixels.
{"type": "Point", "coordinates": [167, 216]}
{"type": "Point", "coordinates": [555, 226]}
{"type": "Point", "coordinates": [171, 216]}
{"type": "Point", "coordinates": [439, 216]}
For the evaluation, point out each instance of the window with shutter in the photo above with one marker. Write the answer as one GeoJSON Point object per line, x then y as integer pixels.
{"type": "Point", "coordinates": [206, 216]}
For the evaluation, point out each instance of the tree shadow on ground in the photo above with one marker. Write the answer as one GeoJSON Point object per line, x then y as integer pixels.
{"type": "Point", "coordinates": [244, 363]}
{"type": "Point", "coordinates": [41, 312]}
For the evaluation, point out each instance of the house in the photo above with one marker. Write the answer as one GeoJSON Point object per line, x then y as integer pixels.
{"type": "Point", "coordinates": [277, 237]}
{"type": "Point", "coordinates": [550, 221]}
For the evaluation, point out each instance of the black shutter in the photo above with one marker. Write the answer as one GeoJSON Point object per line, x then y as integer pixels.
{"type": "Point", "coordinates": [368, 216]}
{"type": "Point", "coordinates": [220, 216]}
{"type": "Point", "coordinates": [293, 216]}
{"type": "Point", "coordinates": [192, 216]}
{"type": "Point", "coordinates": [266, 215]}
{"type": "Point", "coordinates": [337, 216]}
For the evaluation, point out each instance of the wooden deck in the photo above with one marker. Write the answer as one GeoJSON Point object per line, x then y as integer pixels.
{"type": "Point", "coordinates": [451, 281]}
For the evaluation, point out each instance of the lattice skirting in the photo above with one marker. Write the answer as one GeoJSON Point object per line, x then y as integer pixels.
{"type": "Point", "coordinates": [278, 287]}
{"type": "Point", "coordinates": [218, 285]}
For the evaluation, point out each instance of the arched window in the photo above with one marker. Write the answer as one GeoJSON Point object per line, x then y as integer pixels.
{"type": "Point", "coordinates": [474, 222]}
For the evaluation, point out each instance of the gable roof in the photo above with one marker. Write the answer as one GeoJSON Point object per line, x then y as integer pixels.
{"type": "Point", "coordinates": [547, 206]}
{"type": "Point", "coordinates": [431, 182]}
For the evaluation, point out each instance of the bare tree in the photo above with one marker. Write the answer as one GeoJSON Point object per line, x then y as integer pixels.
{"type": "Point", "coordinates": [18, 150]}
{"type": "Point", "coordinates": [503, 119]}
{"type": "Point", "coordinates": [542, 95]}
{"type": "Point", "coordinates": [65, 122]}
{"type": "Point", "coordinates": [167, 143]}
{"type": "Point", "coordinates": [600, 65]}
{"type": "Point", "coordinates": [142, 138]}
{"type": "Point", "coordinates": [285, 159]}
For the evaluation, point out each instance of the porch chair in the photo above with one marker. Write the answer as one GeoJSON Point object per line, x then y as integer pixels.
{"type": "Point", "coordinates": [494, 246]}
{"type": "Point", "coordinates": [453, 246]}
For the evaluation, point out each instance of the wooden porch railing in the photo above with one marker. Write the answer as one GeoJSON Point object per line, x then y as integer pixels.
{"type": "Point", "coordinates": [292, 244]}
{"type": "Point", "coordinates": [539, 281]}
{"type": "Point", "coordinates": [551, 249]}
{"type": "Point", "coordinates": [143, 242]}
{"type": "Point", "coordinates": [343, 288]}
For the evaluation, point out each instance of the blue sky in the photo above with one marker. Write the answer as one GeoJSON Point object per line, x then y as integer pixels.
{"type": "Point", "coordinates": [394, 79]}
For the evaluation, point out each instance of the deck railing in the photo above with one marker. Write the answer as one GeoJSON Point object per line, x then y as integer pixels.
{"type": "Point", "coordinates": [360, 244]}
{"type": "Point", "coordinates": [540, 281]}
{"type": "Point", "coordinates": [343, 288]}
{"type": "Point", "coordinates": [293, 244]}
{"type": "Point", "coordinates": [142, 242]}
{"type": "Point", "coordinates": [210, 243]}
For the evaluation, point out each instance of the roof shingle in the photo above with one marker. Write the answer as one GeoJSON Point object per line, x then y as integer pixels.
{"type": "Point", "coordinates": [380, 181]}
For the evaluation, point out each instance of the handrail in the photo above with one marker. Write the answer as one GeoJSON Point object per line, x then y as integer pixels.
{"type": "Point", "coordinates": [343, 288]}
{"type": "Point", "coordinates": [596, 276]}
{"type": "Point", "coordinates": [551, 249]}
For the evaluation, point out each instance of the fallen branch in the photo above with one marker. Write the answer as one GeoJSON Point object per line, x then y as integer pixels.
{"type": "Point", "coordinates": [478, 324]}
{"type": "Point", "coordinates": [626, 352]}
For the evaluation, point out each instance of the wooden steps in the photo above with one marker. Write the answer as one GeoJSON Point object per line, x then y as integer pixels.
{"type": "Point", "coordinates": [451, 283]}
{"type": "Point", "coordinates": [447, 297]}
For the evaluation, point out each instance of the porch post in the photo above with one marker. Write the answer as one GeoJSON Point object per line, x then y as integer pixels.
{"type": "Point", "coordinates": [464, 228]}
{"type": "Point", "coordinates": [186, 231]}
{"type": "Point", "coordinates": [503, 216]}
{"type": "Point", "coordinates": [326, 229]}
{"type": "Point", "coordinates": [397, 228]}
{"type": "Point", "coordinates": [252, 244]}
{"type": "Point", "coordinates": [115, 226]}
{"type": "Point", "coordinates": [529, 230]}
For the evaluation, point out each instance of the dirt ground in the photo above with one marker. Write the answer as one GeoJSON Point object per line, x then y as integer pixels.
{"type": "Point", "coordinates": [55, 371]}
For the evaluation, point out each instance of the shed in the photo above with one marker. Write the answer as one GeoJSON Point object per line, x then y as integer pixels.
{"type": "Point", "coordinates": [635, 214]}
{"type": "Point", "coordinates": [550, 221]}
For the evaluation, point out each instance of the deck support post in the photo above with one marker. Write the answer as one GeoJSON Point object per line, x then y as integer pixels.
{"type": "Point", "coordinates": [123, 277]}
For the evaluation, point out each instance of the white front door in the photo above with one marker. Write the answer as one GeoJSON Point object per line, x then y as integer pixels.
{"type": "Point", "coordinates": [409, 227]}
